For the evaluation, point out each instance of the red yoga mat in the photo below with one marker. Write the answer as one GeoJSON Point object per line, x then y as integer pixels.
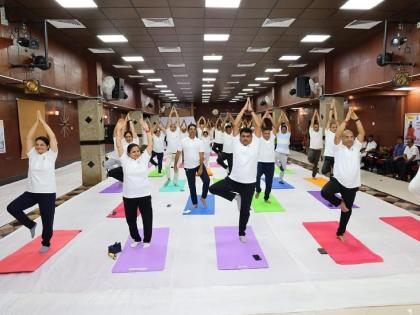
{"type": "Point", "coordinates": [349, 252]}
{"type": "Point", "coordinates": [28, 259]}
{"type": "Point", "coordinates": [406, 224]}
{"type": "Point", "coordinates": [119, 212]}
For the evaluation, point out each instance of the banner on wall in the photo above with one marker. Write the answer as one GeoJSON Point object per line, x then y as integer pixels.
{"type": "Point", "coordinates": [2, 138]}
{"type": "Point", "coordinates": [412, 127]}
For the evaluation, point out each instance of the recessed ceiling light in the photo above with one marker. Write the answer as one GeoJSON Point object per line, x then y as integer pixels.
{"type": "Point", "coordinates": [360, 4]}
{"type": "Point", "coordinates": [232, 101]}
{"type": "Point", "coordinates": [278, 22]}
{"type": "Point", "coordinates": [223, 3]}
{"type": "Point", "coordinates": [405, 88]}
{"type": "Point", "coordinates": [247, 90]}
{"type": "Point", "coordinates": [273, 70]}
{"type": "Point", "coordinates": [146, 71]}
{"type": "Point", "coordinates": [216, 37]}
{"type": "Point", "coordinates": [158, 22]}
{"type": "Point", "coordinates": [169, 94]}
{"type": "Point", "coordinates": [145, 83]}
{"type": "Point", "coordinates": [321, 50]}
{"type": "Point", "coordinates": [270, 82]}
{"type": "Point", "coordinates": [176, 65]}
{"type": "Point", "coordinates": [135, 76]}
{"type": "Point", "coordinates": [112, 38]}
{"type": "Point", "coordinates": [229, 88]}
{"type": "Point", "coordinates": [289, 57]}
{"type": "Point", "coordinates": [169, 49]}
{"type": "Point", "coordinates": [232, 82]}
{"type": "Point", "coordinates": [246, 65]}
{"type": "Point", "coordinates": [212, 58]}
{"type": "Point", "coordinates": [66, 24]}
{"type": "Point", "coordinates": [133, 58]}
{"type": "Point", "coordinates": [257, 49]}
{"type": "Point", "coordinates": [282, 75]}
{"type": "Point", "coordinates": [297, 65]}
{"type": "Point", "coordinates": [183, 83]}
{"type": "Point", "coordinates": [77, 3]}
{"type": "Point", "coordinates": [238, 75]}
{"type": "Point", "coordinates": [122, 66]}
{"type": "Point", "coordinates": [315, 38]}
{"type": "Point", "coordinates": [261, 78]}
{"type": "Point", "coordinates": [209, 79]}
{"type": "Point", "coordinates": [161, 86]}
{"type": "Point", "coordinates": [154, 80]}
{"type": "Point", "coordinates": [102, 50]}
{"type": "Point", "coordinates": [186, 88]}
{"type": "Point", "coordinates": [242, 93]}
{"type": "Point", "coordinates": [254, 84]}
{"type": "Point", "coordinates": [210, 70]}
{"type": "Point", "coordinates": [166, 91]}
{"type": "Point", "coordinates": [152, 89]}
{"type": "Point", "coordinates": [208, 85]}
{"type": "Point", "coordinates": [207, 90]}
{"type": "Point", "coordinates": [180, 75]}
{"type": "Point", "coordinates": [362, 24]}
{"type": "Point", "coordinates": [261, 87]}
{"type": "Point", "coordinates": [235, 99]}
{"type": "Point", "coordinates": [205, 94]}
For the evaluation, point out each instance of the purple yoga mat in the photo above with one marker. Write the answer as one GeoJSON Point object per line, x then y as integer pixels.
{"type": "Point", "coordinates": [141, 259]}
{"type": "Point", "coordinates": [114, 188]}
{"type": "Point", "coordinates": [232, 254]}
{"type": "Point", "coordinates": [317, 195]}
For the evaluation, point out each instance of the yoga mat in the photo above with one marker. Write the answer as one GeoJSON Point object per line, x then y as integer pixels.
{"type": "Point", "coordinates": [287, 172]}
{"type": "Point", "coordinates": [171, 188]}
{"type": "Point", "coordinates": [209, 172]}
{"type": "Point", "coordinates": [259, 205]}
{"type": "Point", "coordinates": [114, 188]}
{"type": "Point", "coordinates": [319, 181]}
{"type": "Point", "coordinates": [213, 154]}
{"type": "Point", "coordinates": [144, 259]}
{"type": "Point", "coordinates": [200, 210]}
{"type": "Point", "coordinates": [349, 252]}
{"type": "Point", "coordinates": [155, 173]}
{"type": "Point", "coordinates": [28, 259]}
{"type": "Point", "coordinates": [119, 212]}
{"type": "Point", "coordinates": [317, 195]}
{"type": "Point", "coordinates": [406, 224]}
{"type": "Point", "coordinates": [215, 180]}
{"type": "Point", "coordinates": [232, 254]}
{"type": "Point", "coordinates": [214, 164]}
{"type": "Point", "coordinates": [277, 185]}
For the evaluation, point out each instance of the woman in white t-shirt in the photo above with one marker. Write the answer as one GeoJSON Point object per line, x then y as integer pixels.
{"type": "Point", "coordinates": [136, 190]}
{"type": "Point", "coordinates": [316, 143]}
{"type": "Point", "coordinates": [330, 130]}
{"type": "Point", "coordinates": [205, 138]}
{"type": "Point", "coordinates": [41, 188]}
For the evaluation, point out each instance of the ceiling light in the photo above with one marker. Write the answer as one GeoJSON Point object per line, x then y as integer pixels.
{"type": "Point", "coordinates": [66, 24]}
{"type": "Point", "coordinates": [278, 22]}
{"type": "Point", "coordinates": [270, 82]}
{"type": "Point", "coordinates": [205, 94]}
{"type": "Point", "coordinates": [135, 76]}
{"type": "Point", "coordinates": [207, 90]}
{"type": "Point", "coordinates": [238, 75]}
{"type": "Point", "coordinates": [257, 49]}
{"type": "Point", "coordinates": [152, 89]}
{"type": "Point", "coordinates": [212, 58]}
{"type": "Point", "coordinates": [289, 57]}
{"type": "Point", "coordinates": [321, 50]}
{"type": "Point", "coordinates": [176, 65]}
{"type": "Point", "coordinates": [229, 88]}
{"type": "Point", "coordinates": [208, 85]}
{"type": "Point", "coordinates": [146, 71]}
{"type": "Point", "coordinates": [315, 38]}
{"type": "Point", "coordinates": [166, 91]}
{"type": "Point", "coordinates": [235, 99]}
{"type": "Point", "coordinates": [360, 4]}
{"type": "Point", "coordinates": [112, 38]}
{"type": "Point", "coordinates": [242, 93]}
{"type": "Point", "coordinates": [186, 88]}
{"type": "Point", "coordinates": [223, 3]}
{"type": "Point", "coordinates": [273, 70]}
{"type": "Point", "coordinates": [180, 75]}
{"type": "Point", "coordinates": [209, 79]}
{"type": "Point", "coordinates": [101, 50]}
{"type": "Point", "coordinates": [169, 94]}
{"type": "Point", "coordinates": [145, 83]}
{"type": "Point", "coordinates": [232, 82]}
{"type": "Point", "coordinates": [122, 66]}
{"type": "Point", "coordinates": [161, 86]}
{"type": "Point", "coordinates": [297, 65]}
{"type": "Point", "coordinates": [133, 58]}
{"type": "Point", "coordinates": [246, 65]}
{"type": "Point", "coordinates": [254, 84]}
{"type": "Point", "coordinates": [362, 24]}
{"type": "Point", "coordinates": [216, 37]}
{"type": "Point", "coordinates": [282, 75]}
{"type": "Point", "coordinates": [154, 80]}
{"type": "Point", "coordinates": [158, 22]}
{"type": "Point", "coordinates": [169, 49]}
{"type": "Point", "coordinates": [405, 88]}
{"type": "Point", "coordinates": [232, 101]}
{"type": "Point", "coordinates": [261, 87]}
{"type": "Point", "coordinates": [247, 90]}
{"type": "Point", "coordinates": [261, 78]}
{"type": "Point", "coordinates": [210, 70]}
{"type": "Point", "coordinates": [183, 83]}
{"type": "Point", "coordinates": [77, 3]}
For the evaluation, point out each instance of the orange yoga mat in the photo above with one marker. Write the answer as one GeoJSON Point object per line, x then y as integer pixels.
{"type": "Point", "coordinates": [319, 181]}
{"type": "Point", "coordinates": [209, 172]}
{"type": "Point", "coordinates": [28, 259]}
{"type": "Point", "coordinates": [119, 212]}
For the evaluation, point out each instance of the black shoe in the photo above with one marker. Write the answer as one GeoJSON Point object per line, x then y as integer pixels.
{"type": "Point", "coordinates": [314, 173]}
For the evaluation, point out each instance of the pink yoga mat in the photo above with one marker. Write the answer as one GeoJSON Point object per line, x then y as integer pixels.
{"type": "Point", "coordinates": [214, 164]}
{"type": "Point", "coordinates": [112, 189]}
{"type": "Point", "coordinates": [406, 224]}
{"type": "Point", "coordinates": [119, 212]}
{"type": "Point", "coordinates": [232, 254]}
{"type": "Point", "coordinates": [317, 195]}
{"type": "Point", "coordinates": [141, 259]}
{"type": "Point", "coordinates": [213, 154]}
{"type": "Point", "coordinates": [349, 252]}
{"type": "Point", "coordinates": [28, 259]}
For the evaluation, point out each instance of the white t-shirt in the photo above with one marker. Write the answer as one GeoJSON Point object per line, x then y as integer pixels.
{"type": "Point", "coordinates": [41, 172]}
{"type": "Point", "coordinates": [245, 161]}
{"type": "Point", "coordinates": [266, 152]}
{"type": "Point", "coordinates": [371, 145]}
{"type": "Point", "coordinates": [136, 181]}
{"type": "Point", "coordinates": [199, 132]}
{"type": "Point", "coordinates": [206, 143]}
{"type": "Point", "coordinates": [124, 144]}
{"type": "Point", "coordinates": [159, 143]}
{"type": "Point", "coordinates": [347, 164]}
{"type": "Point", "coordinates": [283, 142]}
{"type": "Point", "coordinates": [191, 149]}
{"type": "Point", "coordinates": [183, 134]}
{"type": "Point", "coordinates": [227, 143]}
{"type": "Point", "coordinates": [218, 136]}
{"type": "Point", "coordinates": [329, 143]}
{"type": "Point", "coordinates": [412, 151]}
{"type": "Point", "coordinates": [316, 139]}
{"type": "Point", "coordinates": [173, 138]}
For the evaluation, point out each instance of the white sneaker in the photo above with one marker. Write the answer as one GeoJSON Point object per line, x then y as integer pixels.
{"type": "Point", "coordinates": [238, 201]}
{"type": "Point", "coordinates": [134, 244]}
{"type": "Point", "coordinates": [146, 245]}
{"type": "Point", "coordinates": [243, 239]}
{"type": "Point", "coordinates": [44, 249]}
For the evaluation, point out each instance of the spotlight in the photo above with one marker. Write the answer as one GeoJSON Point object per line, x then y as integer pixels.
{"type": "Point", "coordinates": [292, 91]}
{"type": "Point", "coordinates": [398, 41]}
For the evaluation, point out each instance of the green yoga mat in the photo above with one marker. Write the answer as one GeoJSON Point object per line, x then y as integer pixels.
{"type": "Point", "coordinates": [287, 172]}
{"type": "Point", "coordinates": [155, 173]}
{"type": "Point", "coordinates": [259, 205]}
{"type": "Point", "coordinates": [215, 180]}
{"type": "Point", "coordinates": [171, 188]}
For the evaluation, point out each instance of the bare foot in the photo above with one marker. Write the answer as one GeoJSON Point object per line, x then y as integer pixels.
{"type": "Point", "coordinates": [341, 238]}
{"type": "Point", "coordinates": [257, 195]}
{"type": "Point", "coordinates": [343, 207]}
{"type": "Point", "coordinates": [203, 201]}
{"type": "Point", "coordinates": [194, 206]}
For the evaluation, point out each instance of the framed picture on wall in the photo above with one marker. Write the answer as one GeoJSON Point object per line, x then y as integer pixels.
{"type": "Point", "coordinates": [412, 127]}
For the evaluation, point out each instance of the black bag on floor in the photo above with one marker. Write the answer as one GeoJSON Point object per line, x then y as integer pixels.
{"type": "Point", "coordinates": [114, 249]}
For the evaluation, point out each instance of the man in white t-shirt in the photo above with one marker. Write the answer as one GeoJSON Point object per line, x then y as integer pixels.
{"type": "Point", "coordinates": [330, 130]}
{"type": "Point", "coordinates": [316, 143]}
{"type": "Point", "coordinates": [283, 143]}
{"type": "Point", "coordinates": [410, 157]}
{"type": "Point", "coordinates": [227, 150]}
{"type": "Point", "coordinates": [193, 149]}
{"type": "Point", "coordinates": [218, 137]}
{"type": "Point", "coordinates": [158, 147]}
{"type": "Point", "coordinates": [173, 139]}
{"type": "Point", "coordinates": [240, 184]}
{"type": "Point", "coordinates": [346, 180]}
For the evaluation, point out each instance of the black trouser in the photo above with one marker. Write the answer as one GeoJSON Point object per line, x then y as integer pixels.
{"type": "Point", "coordinates": [159, 162]}
{"type": "Point", "coordinates": [227, 188]}
{"type": "Point", "coordinates": [328, 165]}
{"type": "Point", "coordinates": [347, 194]}
{"type": "Point", "coordinates": [46, 203]}
{"type": "Point", "coordinates": [313, 158]}
{"type": "Point", "coordinates": [117, 173]}
{"type": "Point", "coordinates": [217, 148]}
{"type": "Point", "coordinates": [145, 205]}
{"type": "Point", "coordinates": [191, 172]}
{"type": "Point", "coordinates": [404, 168]}
{"type": "Point", "coordinates": [222, 158]}
{"type": "Point", "coordinates": [268, 170]}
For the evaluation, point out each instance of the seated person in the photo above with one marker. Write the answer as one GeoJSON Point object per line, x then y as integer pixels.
{"type": "Point", "coordinates": [369, 150]}
{"type": "Point", "coordinates": [411, 154]}
{"type": "Point", "coordinates": [390, 165]}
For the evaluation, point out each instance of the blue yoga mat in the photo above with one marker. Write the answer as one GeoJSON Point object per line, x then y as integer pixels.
{"type": "Point", "coordinates": [200, 210]}
{"type": "Point", "coordinates": [277, 185]}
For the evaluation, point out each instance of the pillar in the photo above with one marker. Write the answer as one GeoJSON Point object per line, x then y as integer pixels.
{"type": "Point", "coordinates": [92, 147]}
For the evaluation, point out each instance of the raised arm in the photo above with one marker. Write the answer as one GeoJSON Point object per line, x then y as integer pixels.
{"type": "Point", "coordinates": [330, 114]}
{"type": "Point", "coordinates": [335, 114]}
{"type": "Point", "coordinates": [255, 120]}
{"type": "Point", "coordinates": [168, 123]}
{"type": "Point", "coordinates": [238, 119]}
{"type": "Point", "coordinates": [360, 129]}
{"type": "Point", "coordinates": [50, 133]}
{"type": "Point", "coordinates": [342, 127]}
{"type": "Point", "coordinates": [184, 123]}
{"type": "Point", "coordinates": [131, 127]}
{"type": "Point", "coordinates": [177, 118]}
{"type": "Point", "coordinates": [313, 118]}
{"type": "Point", "coordinates": [286, 121]}
{"type": "Point", "coordinates": [119, 135]}
{"type": "Point", "coordinates": [146, 129]}
{"type": "Point", "coordinates": [31, 133]}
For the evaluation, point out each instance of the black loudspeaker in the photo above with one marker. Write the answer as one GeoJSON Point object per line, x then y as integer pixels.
{"type": "Point", "coordinates": [383, 61]}
{"type": "Point", "coordinates": [303, 89]}
{"type": "Point", "coordinates": [118, 91]}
